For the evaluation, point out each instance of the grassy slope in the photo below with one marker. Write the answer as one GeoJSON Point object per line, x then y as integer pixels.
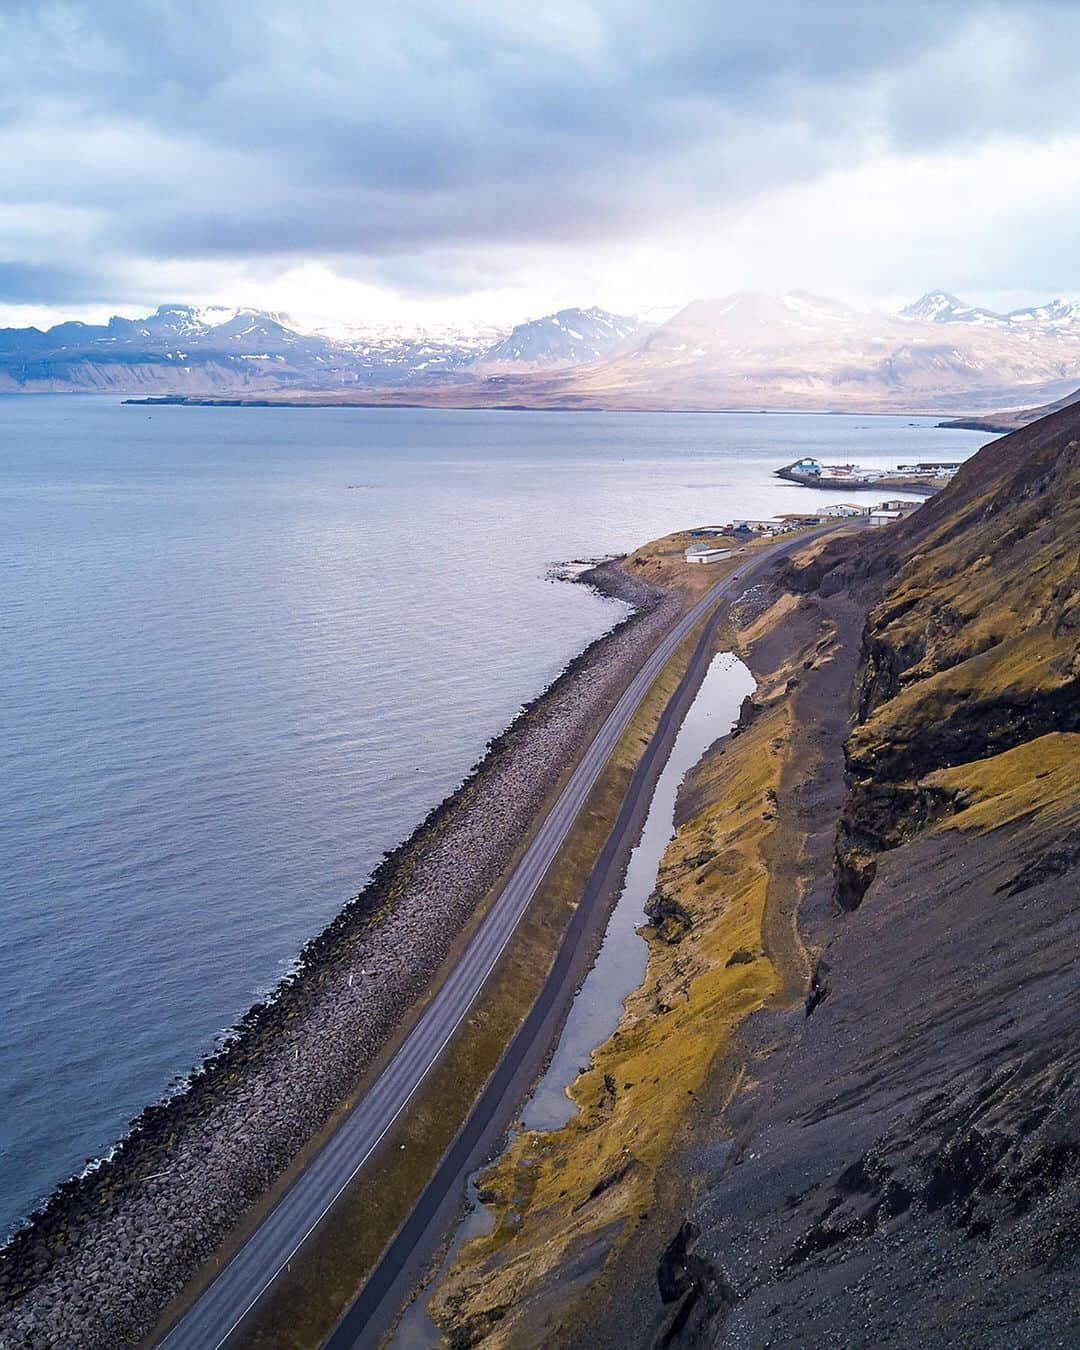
{"type": "Point", "coordinates": [973, 648]}
{"type": "Point", "coordinates": [922, 1105]}
{"type": "Point", "coordinates": [566, 1201]}
{"type": "Point", "coordinates": [909, 1166]}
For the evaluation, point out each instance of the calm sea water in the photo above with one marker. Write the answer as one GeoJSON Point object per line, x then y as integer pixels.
{"type": "Point", "coordinates": [243, 651]}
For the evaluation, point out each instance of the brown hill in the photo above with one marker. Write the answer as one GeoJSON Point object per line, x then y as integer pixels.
{"type": "Point", "coordinates": [910, 1163]}
{"type": "Point", "coordinates": [1014, 418]}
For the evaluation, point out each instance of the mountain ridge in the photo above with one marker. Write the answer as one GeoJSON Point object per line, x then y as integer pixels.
{"type": "Point", "coordinates": [942, 307]}
{"type": "Point", "coordinates": [746, 350]}
{"type": "Point", "coordinates": [214, 349]}
{"type": "Point", "coordinates": [569, 337]}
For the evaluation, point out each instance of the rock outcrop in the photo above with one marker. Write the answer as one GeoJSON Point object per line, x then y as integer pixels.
{"type": "Point", "coordinates": [972, 650]}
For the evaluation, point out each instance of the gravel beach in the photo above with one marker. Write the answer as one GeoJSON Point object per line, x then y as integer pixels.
{"type": "Point", "coordinates": [108, 1253]}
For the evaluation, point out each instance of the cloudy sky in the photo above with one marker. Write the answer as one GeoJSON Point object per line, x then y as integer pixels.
{"type": "Point", "coordinates": [436, 161]}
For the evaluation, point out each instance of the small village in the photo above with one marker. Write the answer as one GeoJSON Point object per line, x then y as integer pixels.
{"type": "Point", "coordinates": [740, 531]}
{"type": "Point", "coordinates": [926, 475]}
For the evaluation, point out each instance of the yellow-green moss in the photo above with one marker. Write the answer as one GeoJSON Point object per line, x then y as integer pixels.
{"type": "Point", "coordinates": [554, 1191]}
{"type": "Point", "coordinates": [1036, 776]}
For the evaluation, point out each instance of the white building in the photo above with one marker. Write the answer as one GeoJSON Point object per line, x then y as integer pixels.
{"type": "Point", "coordinates": [759, 526]}
{"type": "Point", "coordinates": [842, 510]}
{"type": "Point", "coordinates": [884, 517]}
{"type": "Point", "coordinates": [704, 553]}
{"type": "Point", "coordinates": [934, 468]}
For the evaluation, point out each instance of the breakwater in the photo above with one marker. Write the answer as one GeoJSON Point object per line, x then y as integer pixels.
{"type": "Point", "coordinates": [96, 1266]}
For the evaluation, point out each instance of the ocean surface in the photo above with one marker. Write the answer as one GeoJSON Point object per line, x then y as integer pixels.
{"type": "Point", "coordinates": [243, 652]}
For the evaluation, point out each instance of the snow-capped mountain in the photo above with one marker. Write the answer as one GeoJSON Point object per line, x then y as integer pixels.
{"type": "Point", "coordinates": [748, 349]}
{"type": "Point", "coordinates": [753, 350]}
{"type": "Point", "coordinates": [1056, 314]}
{"type": "Point", "coordinates": [572, 337]}
{"type": "Point", "coordinates": [941, 307]}
{"type": "Point", "coordinates": [186, 348]}
{"type": "Point", "coordinates": [177, 347]}
{"type": "Point", "coordinates": [183, 348]}
{"type": "Point", "coordinates": [383, 351]}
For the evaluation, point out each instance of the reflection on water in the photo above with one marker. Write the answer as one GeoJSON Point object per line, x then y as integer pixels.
{"type": "Point", "coordinates": [620, 964]}
{"type": "Point", "coordinates": [416, 1330]}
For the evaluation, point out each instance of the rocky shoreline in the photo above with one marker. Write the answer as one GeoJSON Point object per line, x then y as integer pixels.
{"type": "Point", "coordinates": [112, 1248]}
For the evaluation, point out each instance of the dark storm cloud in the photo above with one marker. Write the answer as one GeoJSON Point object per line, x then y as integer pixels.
{"type": "Point", "coordinates": [261, 129]}
{"type": "Point", "coordinates": [23, 283]}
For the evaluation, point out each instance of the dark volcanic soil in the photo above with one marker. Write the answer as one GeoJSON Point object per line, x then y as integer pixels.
{"type": "Point", "coordinates": [901, 1164]}
{"type": "Point", "coordinates": [906, 1169]}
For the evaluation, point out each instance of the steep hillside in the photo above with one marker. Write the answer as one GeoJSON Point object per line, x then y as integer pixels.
{"type": "Point", "coordinates": [843, 1107]}
{"type": "Point", "coordinates": [904, 1167]}
{"type": "Point", "coordinates": [974, 648]}
{"type": "Point", "coordinates": [799, 350]}
{"type": "Point", "coordinates": [906, 1164]}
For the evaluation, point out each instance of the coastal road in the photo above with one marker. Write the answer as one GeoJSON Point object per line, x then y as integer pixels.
{"type": "Point", "coordinates": [218, 1312]}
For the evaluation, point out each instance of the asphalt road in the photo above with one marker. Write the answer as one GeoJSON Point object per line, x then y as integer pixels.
{"type": "Point", "coordinates": [217, 1313]}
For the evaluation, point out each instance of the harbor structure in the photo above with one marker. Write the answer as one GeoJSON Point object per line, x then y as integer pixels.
{"type": "Point", "coordinates": [852, 477]}
{"type": "Point", "coordinates": [938, 468]}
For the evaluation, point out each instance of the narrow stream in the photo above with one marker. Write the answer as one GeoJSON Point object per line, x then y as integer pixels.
{"type": "Point", "coordinates": [620, 963]}
{"type": "Point", "coordinates": [416, 1330]}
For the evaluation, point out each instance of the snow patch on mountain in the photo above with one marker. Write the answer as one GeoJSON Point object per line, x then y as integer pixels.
{"type": "Point", "coordinates": [941, 307]}
{"type": "Point", "coordinates": [570, 337]}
